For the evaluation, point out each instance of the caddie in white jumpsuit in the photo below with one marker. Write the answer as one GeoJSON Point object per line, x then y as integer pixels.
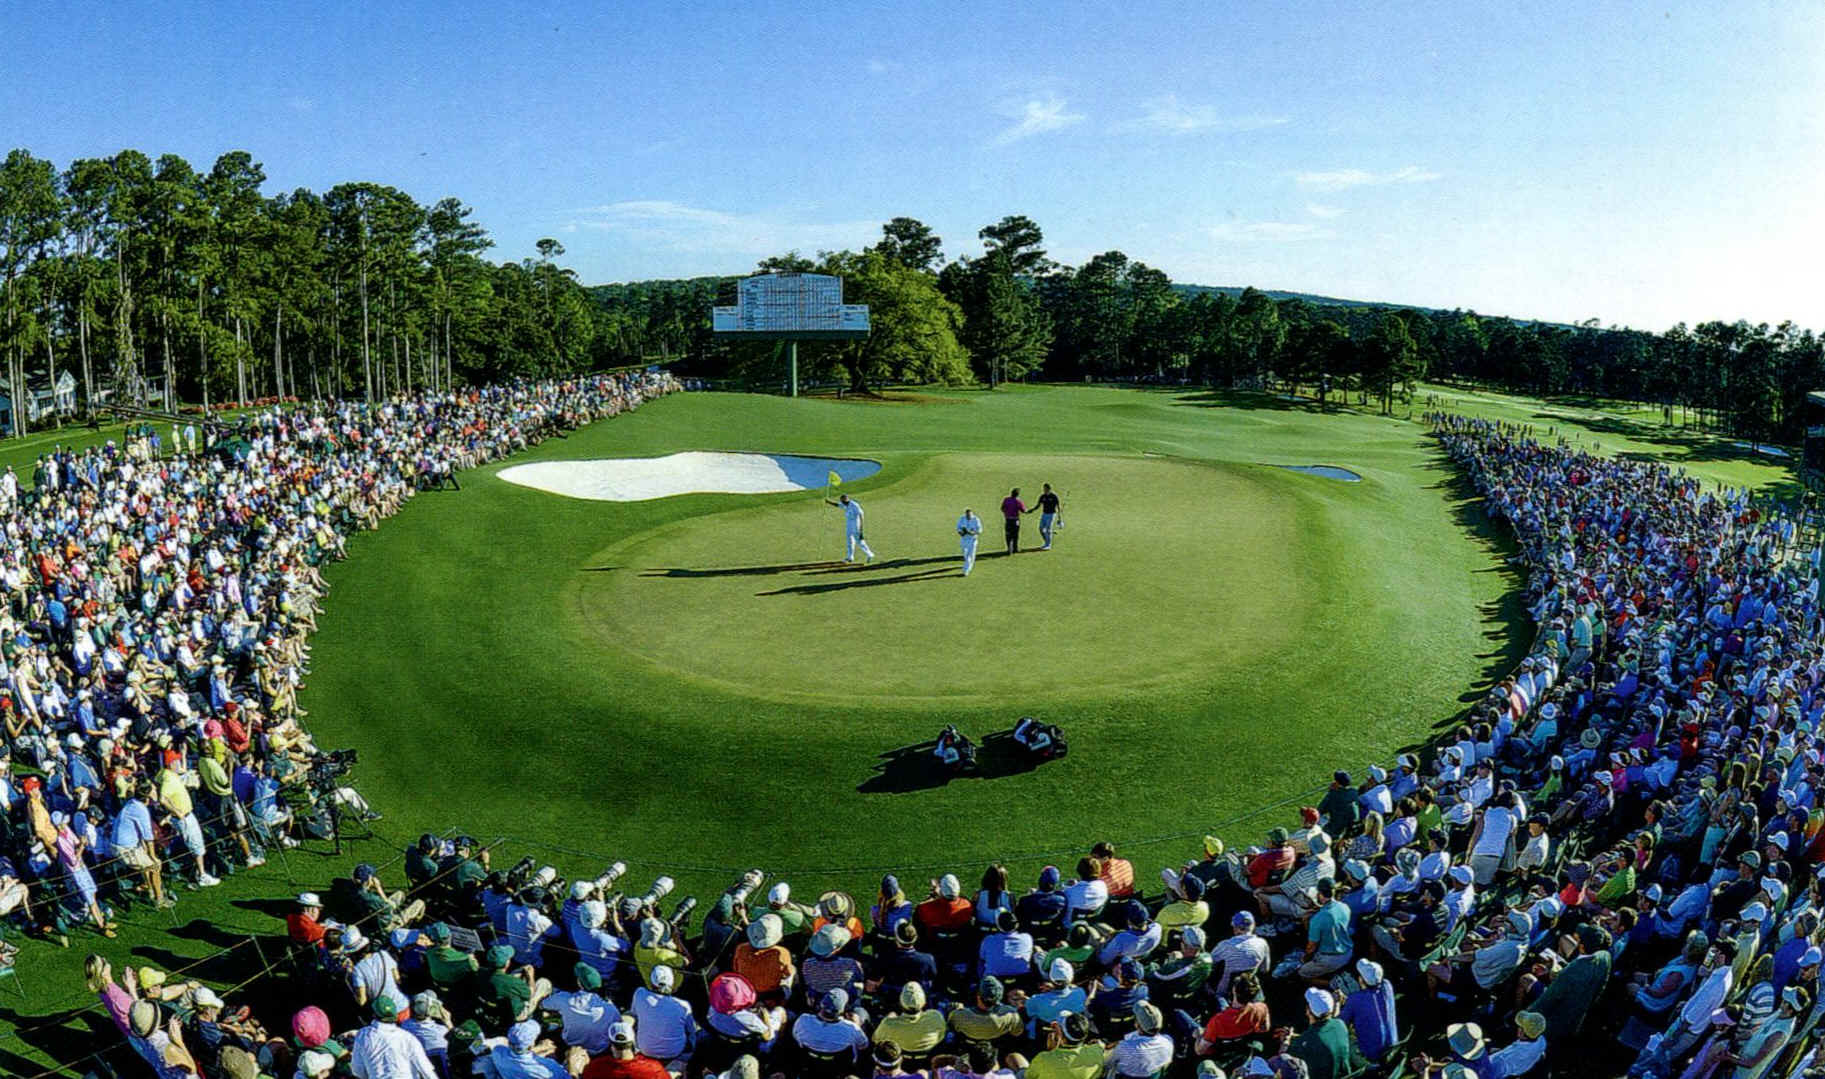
{"type": "Point", "coordinates": [852, 527]}
{"type": "Point", "coordinates": [969, 529]}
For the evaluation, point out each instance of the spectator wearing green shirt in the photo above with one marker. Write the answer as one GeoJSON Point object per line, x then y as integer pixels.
{"type": "Point", "coordinates": [1324, 1045]}
{"type": "Point", "coordinates": [1340, 807]}
{"type": "Point", "coordinates": [448, 966]}
{"type": "Point", "coordinates": [1327, 936]}
{"type": "Point", "coordinates": [510, 995]}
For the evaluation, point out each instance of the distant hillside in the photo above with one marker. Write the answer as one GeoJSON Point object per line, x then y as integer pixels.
{"type": "Point", "coordinates": [1277, 294]}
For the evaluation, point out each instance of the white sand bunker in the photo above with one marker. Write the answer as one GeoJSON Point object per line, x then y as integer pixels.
{"type": "Point", "coordinates": [637, 479]}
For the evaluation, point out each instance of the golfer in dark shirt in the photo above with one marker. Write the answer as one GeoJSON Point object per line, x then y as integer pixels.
{"type": "Point", "coordinates": [1011, 509]}
{"type": "Point", "coordinates": [1048, 512]}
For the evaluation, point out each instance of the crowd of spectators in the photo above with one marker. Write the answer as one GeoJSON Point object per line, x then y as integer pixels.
{"type": "Point", "coordinates": [155, 630]}
{"type": "Point", "coordinates": [1615, 864]}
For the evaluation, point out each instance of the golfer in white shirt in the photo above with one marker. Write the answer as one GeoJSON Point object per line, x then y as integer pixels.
{"type": "Point", "coordinates": [969, 530]}
{"type": "Point", "coordinates": [852, 527]}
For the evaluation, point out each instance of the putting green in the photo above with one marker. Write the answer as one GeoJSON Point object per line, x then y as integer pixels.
{"type": "Point", "coordinates": [754, 601]}
{"type": "Point", "coordinates": [1215, 634]}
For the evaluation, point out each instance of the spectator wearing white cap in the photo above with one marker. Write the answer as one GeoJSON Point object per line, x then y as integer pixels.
{"type": "Point", "coordinates": [945, 910]}
{"type": "Point", "coordinates": [794, 918]}
{"type": "Point", "coordinates": [595, 942]}
{"type": "Point", "coordinates": [314, 1064]}
{"type": "Point", "coordinates": [624, 1059]}
{"type": "Point", "coordinates": [666, 1027]}
{"type": "Point", "coordinates": [1324, 1044]}
{"type": "Point", "coordinates": [1057, 994]}
{"type": "Point", "coordinates": [1369, 1011]}
{"type": "Point", "coordinates": [1460, 895]}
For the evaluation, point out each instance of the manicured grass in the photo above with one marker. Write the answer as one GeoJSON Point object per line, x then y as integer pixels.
{"type": "Point", "coordinates": [1214, 634]}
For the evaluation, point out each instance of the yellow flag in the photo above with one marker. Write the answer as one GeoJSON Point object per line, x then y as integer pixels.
{"type": "Point", "coordinates": [835, 480]}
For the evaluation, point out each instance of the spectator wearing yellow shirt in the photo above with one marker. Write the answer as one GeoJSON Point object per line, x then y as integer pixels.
{"type": "Point", "coordinates": [1069, 1054]}
{"type": "Point", "coordinates": [657, 949]}
{"type": "Point", "coordinates": [1189, 911]}
{"type": "Point", "coordinates": [916, 1029]}
{"type": "Point", "coordinates": [174, 797]}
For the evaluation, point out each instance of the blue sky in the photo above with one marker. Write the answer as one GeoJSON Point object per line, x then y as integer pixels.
{"type": "Point", "coordinates": [1636, 164]}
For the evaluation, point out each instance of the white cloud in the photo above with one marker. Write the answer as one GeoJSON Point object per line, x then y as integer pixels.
{"type": "Point", "coordinates": [1328, 213]}
{"type": "Point", "coordinates": [1340, 179]}
{"type": "Point", "coordinates": [300, 103]}
{"type": "Point", "coordinates": [1037, 116]}
{"type": "Point", "coordinates": [1168, 115]}
{"type": "Point", "coordinates": [1266, 231]}
{"type": "Point", "coordinates": [676, 226]}
{"type": "Point", "coordinates": [882, 67]}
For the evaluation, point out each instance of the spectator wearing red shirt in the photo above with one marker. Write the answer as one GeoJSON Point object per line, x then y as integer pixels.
{"type": "Point", "coordinates": [946, 910]}
{"type": "Point", "coordinates": [1118, 873]}
{"type": "Point", "coordinates": [1267, 867]}
{"type": "Point", "coordinates": [623, 1061]}
{"type": "Point", "coordinates": [302, 925]}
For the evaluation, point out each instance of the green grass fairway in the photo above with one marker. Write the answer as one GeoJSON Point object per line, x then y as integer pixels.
{"type": "Point", "coordinates": [1216, 634]}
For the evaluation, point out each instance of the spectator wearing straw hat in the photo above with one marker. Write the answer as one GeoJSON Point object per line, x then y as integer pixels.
{"type": "Point", "coordinates": [830, 966]}
{"type": "Point", "coordinates": [1522, 1055]}
{"type": "Point", "coordinates": [762, 960]}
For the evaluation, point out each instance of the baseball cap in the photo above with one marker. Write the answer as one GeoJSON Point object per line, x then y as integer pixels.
{"type": "Point", "coordinates": [1320, 1002]}
{"type": "Point", "coordinates": [622, 1033]}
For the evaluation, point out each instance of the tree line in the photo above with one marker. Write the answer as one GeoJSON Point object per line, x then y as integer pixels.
{"type": "Point", "coordinates": [153, 281]}
{"type": "Point", "coordinates": [1010, 312]}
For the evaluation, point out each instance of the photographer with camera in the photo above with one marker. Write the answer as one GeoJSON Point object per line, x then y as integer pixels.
{"type": "Point", "coordinates": [530, 925]}
{"type": "Point", "coordinates": [729, 917]}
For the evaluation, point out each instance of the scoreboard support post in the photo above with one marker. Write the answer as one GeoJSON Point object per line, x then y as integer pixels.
{"type": "Point", "coordinates": [790, 307]}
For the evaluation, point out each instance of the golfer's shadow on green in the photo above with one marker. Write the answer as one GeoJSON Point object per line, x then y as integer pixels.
{"type": "Point", "coordinates": [868, 576]}
{"type": "Point", "coordinates": [913, 768]}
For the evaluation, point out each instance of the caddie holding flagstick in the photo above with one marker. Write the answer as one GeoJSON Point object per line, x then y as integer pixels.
{"type": "Point", "coordinates": [852, 519]}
